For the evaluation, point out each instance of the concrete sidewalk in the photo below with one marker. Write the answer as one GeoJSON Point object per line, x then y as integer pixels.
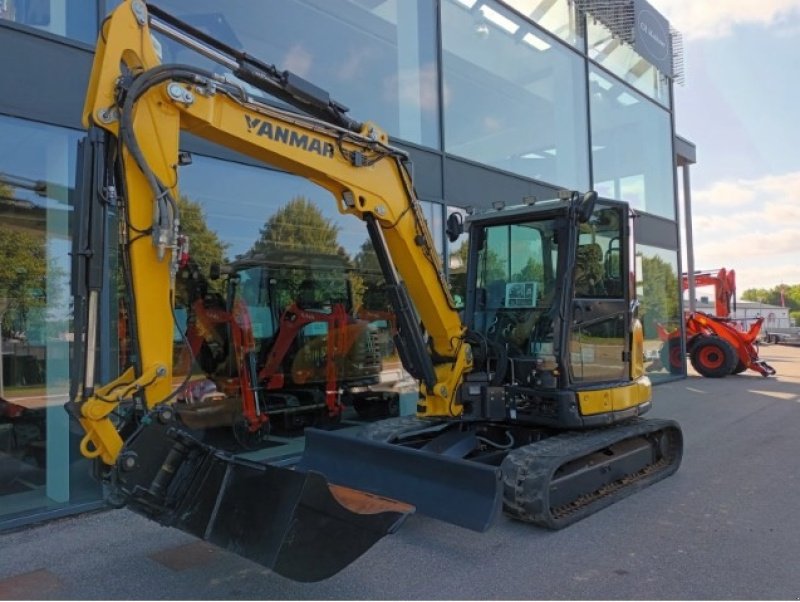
{"type": "Point", "coordinates": [726, 526]}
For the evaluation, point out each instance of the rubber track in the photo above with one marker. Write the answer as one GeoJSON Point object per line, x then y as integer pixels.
{"type": "Point", "coordinates": [528, 470]}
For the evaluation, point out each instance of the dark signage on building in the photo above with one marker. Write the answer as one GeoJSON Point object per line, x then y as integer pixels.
{"type": "Point", "coordinates": [651, 36]}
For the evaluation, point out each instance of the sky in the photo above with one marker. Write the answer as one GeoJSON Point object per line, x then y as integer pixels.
{"type": "Point", "coordinates": [740, 105]}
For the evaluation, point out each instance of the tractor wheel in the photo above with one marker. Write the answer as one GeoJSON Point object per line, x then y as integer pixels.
{"type": "Point", "coordinates": [670, 355]}
{"type": "Point", "coordinates": [713, 357]}
{"type": "Point", "coordinates": [740, 367]}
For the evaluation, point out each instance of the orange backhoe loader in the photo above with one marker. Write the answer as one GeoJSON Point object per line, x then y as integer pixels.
{"type": "Point", "coordinates": [717, 345]}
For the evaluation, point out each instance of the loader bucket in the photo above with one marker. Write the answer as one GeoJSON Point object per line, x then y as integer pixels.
{"type": "Point", "coordinates": [448, 488]}
{"type": "Point", "coordinates": [292, 522]}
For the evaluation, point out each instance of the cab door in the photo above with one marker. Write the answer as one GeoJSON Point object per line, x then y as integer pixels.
{"type": "Point", "coordinates": [600, 329]}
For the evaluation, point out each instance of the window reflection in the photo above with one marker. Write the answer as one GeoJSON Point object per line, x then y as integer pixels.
{"type": "Point", "coordinates": [378, 58]}
{"type": "Point", "coordinates": [631, 147]}
{"type": "Point", "coordinates": [597, 350]}
{"type": "Point", "coordinates": [433, 216]}
{"type": "Point", "coordinates": [557, 16]}
{"type": "Point", "coordinates": [300, 307]}
{"type": "Point", "coordinates": [659, 310]}
{"type": "Point", "coordinates": [37, 447]}
{"type": "Point", "coordinates": [457, 253]}
{"type": "Point", "coordinates": [599, 330]}
{"type": "Point", "coordinates": [77, 20]}
{"type": "Point", "coordinates": [512, 95]}
{"type": "Point", "coordinates": [621, 59]}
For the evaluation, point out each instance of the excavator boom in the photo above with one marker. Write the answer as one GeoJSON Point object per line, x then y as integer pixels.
{"type": "Point", "coordinates": [135, 111]}
{"type": "Point", "coordinates": [510, 397]}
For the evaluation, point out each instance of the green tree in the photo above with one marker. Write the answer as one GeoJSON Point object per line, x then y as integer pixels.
{"type": "Point", "coordinates": [299, 226]}
{"type": "Point", "coordinates": [205, 246]}
{"type": "Point", "coordinates": [205, 249]}
{"type": "Point", "coordinates": [659, 299]}
{"type": "Point", "coordinates": [533, 270]}
{"type": "Point", "coordinates": [457, 269]}
{"type": "Point", "coordinates": [32, 285]}
{"type": "Point", "coordinates": [367, 280]}
{"type": "Point", "coordinates": [23, 273]}
{"type": "Point", "coordinates": [791, 295]}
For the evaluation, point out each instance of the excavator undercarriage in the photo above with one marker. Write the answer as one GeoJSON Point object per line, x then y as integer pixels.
{"type": "Point", "coordinates": [540, 476]}
{"type": "Point", "coordinates": [530, 396]}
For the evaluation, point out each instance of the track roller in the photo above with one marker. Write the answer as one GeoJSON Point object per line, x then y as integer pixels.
{"type": "Point", "coordinates": [560, 480]}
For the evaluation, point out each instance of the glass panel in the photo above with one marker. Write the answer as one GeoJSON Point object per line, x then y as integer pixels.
{"type": "Point", "coordinates": [40, 466]}
{"type": "Point", "coordinates": [516, 284]}
{"type": "Point", "coordinates": [378, 58]}
{"type": "Point", "coordinates": [76, 20]}
{"type": "Point", "coordinates": [513, 97]}
{"type": "Point", "coordinates": [598, 336]}
{"type": "Point", "coordinates": [598, 269]}
{"type": "Point", "coordinates": [300, 309]}
{"type": "Point", "coordinates": [596, 349]}
{"type": "Point", "coordinates": [433, 215]}
{"type": "Point", "coordinates": [457, 254]}
{"type": "Point", "coordinates": [624, 62]}
{"type": "Point", "coordinates": [557, 16]}
{"type": "Point", "coordinates": [631, 146]}
{"type": "Point", "coordinates": [659, 310]}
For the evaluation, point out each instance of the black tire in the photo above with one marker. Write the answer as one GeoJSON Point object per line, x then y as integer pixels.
{"type": "Point", "coordinates": [713, 357]}
{"type": "Point", "coordinates": [386, 405]}
{"type": "Point", "coordinates": [740, 367]}
{"type": "Point", "coordinates": [247, 439]}
{"type": "Point", "coordinates": [670, 355]}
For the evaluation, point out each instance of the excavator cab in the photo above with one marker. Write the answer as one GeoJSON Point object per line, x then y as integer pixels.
{"type": "Point", "coordinates": [550, 313]}
{"type": "Point", "coordinates": [557, 349]}
{"type": "Point", "coordinates": [509, 395]}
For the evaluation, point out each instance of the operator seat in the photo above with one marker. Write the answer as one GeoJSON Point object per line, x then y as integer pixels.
{"type": "Point", "coordinates": [589, 271]}
{"type": "Point", "coordinates": [307, 295]}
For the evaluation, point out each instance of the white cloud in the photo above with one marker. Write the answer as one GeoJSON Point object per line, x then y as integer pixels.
{"type": "Point", "coordinates": [775, 198]}
{"type": "Point", "coordinates": [725, 194]}
{"type": "Point", "coordinates": [709, 19]}
{"type": "Point", "coordinates": [752, 226]}
{"type": "Point", "coordinates": [764, 243]}
{"type": "Point", "coordinates": [784, 212]}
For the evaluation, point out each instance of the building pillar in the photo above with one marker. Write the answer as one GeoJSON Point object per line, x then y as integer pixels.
{"type": "Point", "coordinates": [687, 215]}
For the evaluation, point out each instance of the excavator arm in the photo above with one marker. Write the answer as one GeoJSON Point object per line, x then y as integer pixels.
{"type": "Point", "coordinates": [135, 111]}
{"type": "Point", "coordinates": [516, 432]}
{"type": "Point", "coordinates": [145, 106]}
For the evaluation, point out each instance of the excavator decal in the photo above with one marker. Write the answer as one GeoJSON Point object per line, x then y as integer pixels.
{"type": "Point", "coordinates": [289, 136]}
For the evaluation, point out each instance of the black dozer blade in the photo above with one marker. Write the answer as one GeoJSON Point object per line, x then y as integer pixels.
{"type": "Point", "coordinates": [292, 522]}
{"type": "Point", "coordinates": [448, 488]}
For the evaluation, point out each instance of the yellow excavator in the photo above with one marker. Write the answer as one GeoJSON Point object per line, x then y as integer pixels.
{"type": "Point", "coordinates": [530, 396]}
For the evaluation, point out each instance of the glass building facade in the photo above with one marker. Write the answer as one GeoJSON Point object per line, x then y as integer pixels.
{"type": "Point", "coordinates": [494, 101]}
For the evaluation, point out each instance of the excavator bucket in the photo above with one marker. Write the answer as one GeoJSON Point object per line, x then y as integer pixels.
{"type": "Point", "coordinates": [292, 522]}
{"type": "Point", "coordinates": [436, 479]}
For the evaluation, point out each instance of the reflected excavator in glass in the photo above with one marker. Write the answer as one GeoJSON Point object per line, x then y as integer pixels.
{"type": "Point", "coordinates": [530, 397]}
{"type": "Point", "coordinates": [280, 349]}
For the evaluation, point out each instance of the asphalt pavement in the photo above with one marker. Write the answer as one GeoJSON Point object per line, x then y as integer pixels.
{"type": "Point", "coordinates": [725, 526]}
